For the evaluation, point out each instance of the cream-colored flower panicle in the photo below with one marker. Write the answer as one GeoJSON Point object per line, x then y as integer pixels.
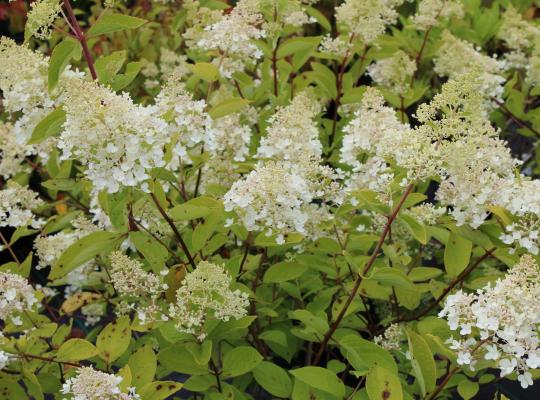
{"type": "Point", "coordinates": [90, 384]}
{"type": "Point", "coordinates": [282, 197]}
{"type": "Point", "coordinates": [12, 153]}
{"type": "Point", "coordinates": [376, 131]}
{"type": "Point", "coordinates": [139, 288]}
{"type": "Point", "coordinates": [292, 132]}
{"type": "Point", "coordinates": [206, 294]}
{"type": "Point", "coordinates": [367, 19]}
{"type": "Point", "coordinates": [391, 338]}
{"type": "Point", "coordinates": [16, 207]}
{"type": "Point", "coordinates": [431, 12]}
{"type": "Point", "coordinates": [188, 122]}
{"type": "Point", "coordinates": [41, 17]}
{"type": "Point", "coordinates": [516, 32]}
{"type": "Point", "coordinates": [368, 130]}
{"type": "Point", "coordinates": [457, 57]}
{"type": "Point", "coordinates": [23, 83]}
{"type": "Point", "coordinates": [394, 73]}
{"type": "Point", "coordinates": [117, 140]}
{"type": "Point", "coordinates": [232, 36]}
{"type": "Point", "coordinates": [500, 322]}
{"type": "Point", "coordinates": [16, 297]}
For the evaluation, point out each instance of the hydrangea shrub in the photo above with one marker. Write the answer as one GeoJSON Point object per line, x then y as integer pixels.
{"type": "Point", "coordinates": [269, 199]}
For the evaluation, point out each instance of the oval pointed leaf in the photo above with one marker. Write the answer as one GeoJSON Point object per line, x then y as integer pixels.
{"type": "Point", "coordinates": [457, 254]}
{"type": "Point", "coordinates": [382, 384]}
{"type": "Point", "coordinates": [321, 379]}
{"type": "Point", "coordinates": [82, 251]}
{"type": "Point", "coordinates": [111, 23]}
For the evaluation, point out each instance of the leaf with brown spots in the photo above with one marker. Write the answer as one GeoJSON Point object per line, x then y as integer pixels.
{"type": "Point", "coordinates": [381, 384]}
{"type": "Point", "coordinates": [114, 339]}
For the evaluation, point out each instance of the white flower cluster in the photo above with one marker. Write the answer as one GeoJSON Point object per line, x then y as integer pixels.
{"type": "Point", "coordinates": [457, 57]}
{"type": "Point", "coordinates": [5, 359]}
{"type": "Point", "coordinates": [280, 197]}
{"type": "Point", "coordinates": [141, 287]}
{"type": "Point", "coordinates": [227, 143]}
{"type": "Point", "coordinates": [16, 205]}
{"type": "Point", "coordinates": [232, 37]}
{"type": "Point", "coordinates": [50, 248]}
{"type": "Point", "coordinates": [375, 130]}
{"type": "Point", "coordinates": [16, 296]}
{"type": "Point", "coordinates": [393, 73]}
{"type": "Point", "coordinates": [206, 294]}
{"type": "Point", "coordinates": [524, 203]}
{"type": "Point", "coordinates": [500, 322]}
{"type": "Point", "coordinates": [391, 338]}
{"type": "Point", "coordinates": [431, 12]}
{"type": "Point", "coordinates": [293, 132]}
{"type": "Point", "coordinates": [117, 140]}
{"type": "Point", "coordinates": [366, 132]}
{"type": "Point", "coordinates": [367, 19]}
{"type": "Point", "coordinates": [90, 384]}
{"type": "Point", "coordinates": [517, 33]}
{"type": "Point", "coordinates": [12, 153]}
{"type": "Point", "coordinates": [337, 46]}
{"type": "Point", "coordinates": [24, 87]}
{"type": "Point", "coordinates": [188, 122]}
{"type": "Point", "coordinates": [41, 17]}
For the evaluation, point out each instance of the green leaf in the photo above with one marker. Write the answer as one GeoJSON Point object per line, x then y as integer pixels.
{"type": "Point", "coordinates": [388, 276]}
{"type": "Point", "coordinates": [273, 379]}
{"type": "Point", "coordinates": [61, 55]}
{"type": "Point", "coordinates": [382, 384]}
{"type": "Point", "coordinates": [205, 71]}
{"type": "Point", "coordinates": [188, 211]}
{"type": "Point", "coordinates": [114, 339]}
{"type": "Point", "coordinates": [284, 271]}
{"type": "Point", "coordinates": [363, 354]}
{"type": "Point", "coordinates": [150, 248]}
{"type": "Point", "coordinates": [160, 390]}
{"type": "Point", "coordinates": [11, 390]}
{"type": "Point", "coordinates": [467, 389]}
{"type": "Point", "coordinates": [177, 358]}
{"type": "Point", "coordinates": [419, 274]}
{"type": "Point", "coordinates": [32, 385]}
{"type": "Point", "coordinates": [297, 44]}
{"type": "Point", "coordinates": [75, 350]}
{"type": "Point", "coordinates": [240, 361]}
{"type": "Point", "coordinates": [319, 16]}
{"type": "Point", "coordinates": [120, 81]}
{"type": "Point", "coordinates": [60, 184]}
{"type": "Point", "coordinates": [417, 229]}
{"type": "Point", "coordinates": [111, 23]}
{"type": "Point", "coordinates": [201, 352]}
{"type": "Point", "coordinates": [108, 66]}
{"type": "Point", "coordinates": [49, 126]}
{"type": "Point", "coordinates": [84, 250]}
{"type": "Point", "coordinates": [321, 379]}
{"type": "Point", "coordinates": [457, 254]}
{"type": "Point", "coordinates": [143, 364]}
{"type": "Point", "coordinates": [227, 107]}
{"type": "Point", "coordinates": [422, 362]}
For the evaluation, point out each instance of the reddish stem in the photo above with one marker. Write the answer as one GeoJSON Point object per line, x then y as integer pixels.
{"type": "Point", "coordinates": [79, 35]}
{"type": "Point", "coordinates": [360, 277]}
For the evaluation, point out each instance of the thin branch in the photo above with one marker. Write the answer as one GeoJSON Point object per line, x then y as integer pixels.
{"type": "Point", "coordinates": [9, 249]}
{"type": "Point", "coordinates": [515, 118]}
{"type": "Point", "coordinates": [367, 268]}
{"type": "Point", "coordinates": [175, 230]}
{"type": "Point", "coordinates": [47, 359]}
{"type": "Point", "coordinates": [460, 278]}
{"type": "Point", "coordinates": [79, 35]}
